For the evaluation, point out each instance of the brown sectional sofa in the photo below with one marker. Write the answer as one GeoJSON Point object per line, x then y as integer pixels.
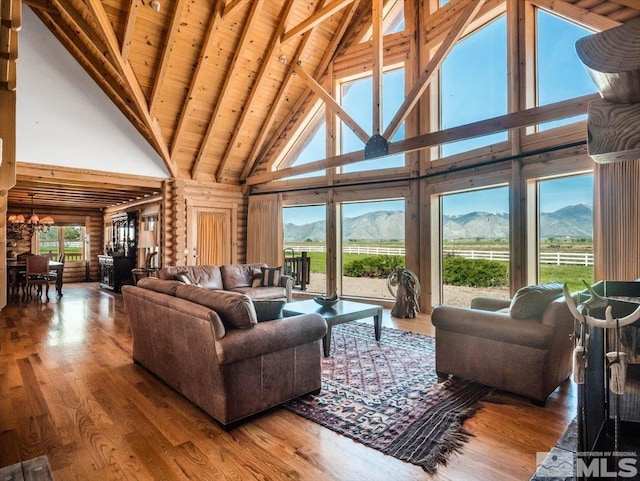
{"type": "Point", "coordinates": [208, 345]}
{"type": "Point", "coordinates": [521, 345]}
{"type": "Point", "coordinates": [232, 277]}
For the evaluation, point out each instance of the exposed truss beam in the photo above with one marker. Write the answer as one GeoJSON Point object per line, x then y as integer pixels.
{"type": "Point", "coordinates": [268, 123]}
{"type": "Point", "coordinates": [332, 104]}
{"type": "Point", "coordinates": [559, 110]}
{"type": "Point", "coordinates": [321, 70]}
{"type": "Point", "coordinates": [315, 19]}
{"type": "Point", "coordinates": [577, 14]}
{"type": "Point", "coordinates": [10, 24]}
{"type": "Point", "coordinates": [466, 15]}
{"type": "Point", "coordinates": [231, 7]}
{"type": "Point", "coordinates": [132, 83]}
{"type": "Point", "coordinates": [376, 16]}
{"type": "Point", "coordinates": [256, 6]}
{"type": "Point", "coordinates": [274, 43]}
{"type": "Point", "coordinates": [203, 58]}
{"type": "Point", "coordinates": [166, 55]}
{"type": "Point", "coordinates": [132, 13]}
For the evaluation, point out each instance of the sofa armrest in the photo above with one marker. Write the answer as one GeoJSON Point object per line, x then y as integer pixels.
{"type": "Point", "coordinates": [497, 326]}
{"type": "Point", "coordinates": [270, 336]}
{"type": "Point", "coordinates": [287, 283]}
{"type": "Point", "coordinates": [489, 303]}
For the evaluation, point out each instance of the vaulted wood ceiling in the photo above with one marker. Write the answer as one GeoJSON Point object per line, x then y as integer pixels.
{"type": "Point", "coordinates": [210, 84]}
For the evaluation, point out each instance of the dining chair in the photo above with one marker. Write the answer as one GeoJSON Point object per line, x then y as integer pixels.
{"type": "Point", "coordinates": [36, 275]}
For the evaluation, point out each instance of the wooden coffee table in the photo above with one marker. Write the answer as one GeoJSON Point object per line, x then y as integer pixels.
{"type": "Point", "coordinates": [343, 311]}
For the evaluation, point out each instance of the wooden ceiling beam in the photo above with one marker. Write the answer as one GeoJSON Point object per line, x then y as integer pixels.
{"type": "Point", "coordinates": [320, 72]}
{"type": "Point", "coordinates": [332, 104]}
{"type": "Point", "coordinates": [167, 51]}
{"type": "Point", "coordinates": [203, 59]}
{"type": "Point", "coordinates": [524, 118]}
{"type": "Point", "coordinates": [129, 76]}
{"type": "Point", "coordinates": [466, 15]}
{"type": "Point", "coordinates": [256, 6]}
{"type": "Point", "coordinates": [231, 7]}
{"type": "Point", "coordinates": [579, 15]}
{"type": "Point", "coordinates": [274, 43]}
{"type": "Point", "coordinates": [132, 13]}
{"type": "Point", "coordinates": [48, 174]}
{"type": "Point", "coordinates": [376, 101]}
{"type": "Point", "coordinates": [315, 19]}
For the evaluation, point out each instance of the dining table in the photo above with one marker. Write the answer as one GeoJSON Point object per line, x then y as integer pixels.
{"type": "Point", "coordinates": [14, 266]}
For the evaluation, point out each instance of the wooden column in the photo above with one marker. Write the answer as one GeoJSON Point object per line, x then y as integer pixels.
{"type": "Point", "coordinates": [10, 23]}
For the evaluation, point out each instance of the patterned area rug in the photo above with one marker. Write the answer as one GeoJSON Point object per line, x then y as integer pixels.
{"type": "Point", "coordinates": [387, 396]}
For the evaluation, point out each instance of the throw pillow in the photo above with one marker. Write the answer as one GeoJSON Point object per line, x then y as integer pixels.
{"type": "Point", "coordinates": [531, 301]}
{"type": "Point", "coordinates": [256, 280]}
{"type": "Point", "coordinates": [269, 310]}
{"type": "Point", "coordinates": [271, 276]}
{"type": "Point", "coordinates": [185, 278]}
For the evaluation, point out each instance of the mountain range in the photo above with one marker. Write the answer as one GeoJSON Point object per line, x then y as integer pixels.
{"type": "Point", "coordinates": [572, 221]}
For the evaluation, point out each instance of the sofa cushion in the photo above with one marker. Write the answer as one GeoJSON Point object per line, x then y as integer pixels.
{"type": "Point", "coordinates": [235, 310]}
{"type": "Point", "coordinates": [238, 275]}
{"type": "Point", "coordinates": [271, 276]}
{"type": "Point", "coordinates": [262, 293]}
{"type": "Point", "coordinates": [159, 285]}
{"type": "Point", "coordinates": [531, 301]}
{"type": "Point", "coordinates": [269, 309]}
{"type": "Point", "coordinates": [206, 275]}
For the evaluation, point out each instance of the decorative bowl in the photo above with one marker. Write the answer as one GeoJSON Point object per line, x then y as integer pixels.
{"type": "Point", "coordinates": [326, 302]}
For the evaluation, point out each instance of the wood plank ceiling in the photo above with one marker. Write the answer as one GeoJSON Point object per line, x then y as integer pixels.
{"type": "Point", "coordinates": [210, 83]}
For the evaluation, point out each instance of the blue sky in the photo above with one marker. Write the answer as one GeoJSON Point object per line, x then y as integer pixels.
{"type": "Point", "coordinates": [474, 79]}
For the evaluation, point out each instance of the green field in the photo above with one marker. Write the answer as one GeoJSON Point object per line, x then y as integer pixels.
{"type": "Point", "coordinates": [571, 274]}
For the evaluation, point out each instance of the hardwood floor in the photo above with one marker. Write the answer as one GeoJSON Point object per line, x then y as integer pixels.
{"type": "Point", "coordinates": [69, 389]}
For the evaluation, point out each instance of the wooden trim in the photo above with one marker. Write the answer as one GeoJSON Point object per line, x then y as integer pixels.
{"type": "Point", "coordinates": [72, 176]}
{"type": "Point", "coordinates": [231, 7]}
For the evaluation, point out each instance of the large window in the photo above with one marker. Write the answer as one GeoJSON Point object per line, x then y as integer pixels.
{"type": "Point", "coordinates": [63, 239]}
{"type": "Point", "coordinates": [305, 231]}
{"type": "Point", "coordinates": [473, 84]}
{"type": "Point", "coordinates": [356, 99]}
{"type": "Point", "coordinates": [565, 226]}
{"type": "Point", "coordinates": [372, 245]}
{"type": "Point", "coordinates": [560, 74]}
{"type": "Point", "coordinates": [475, 245]}
{"type": "Point", "coordinates": [309, 145]}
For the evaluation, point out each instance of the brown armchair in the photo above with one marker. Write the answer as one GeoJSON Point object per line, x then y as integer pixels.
{"type": "Point", "coordinates": [521, 345]}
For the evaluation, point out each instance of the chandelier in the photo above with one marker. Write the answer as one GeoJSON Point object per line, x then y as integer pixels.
{"type": "Point", "coordinates": [31, 225]}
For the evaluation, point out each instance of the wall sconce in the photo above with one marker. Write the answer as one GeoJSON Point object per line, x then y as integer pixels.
{"type": "Point", "coordinates": [155, 4]}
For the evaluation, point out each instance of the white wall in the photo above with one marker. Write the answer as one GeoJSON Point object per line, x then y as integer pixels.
{"type": "Point", "coordinates": [65, 119]}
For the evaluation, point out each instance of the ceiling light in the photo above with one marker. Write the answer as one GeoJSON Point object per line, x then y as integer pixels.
{"type": "Point", "coordinates": [32, 224]}
{"type": "Point", "coordinates": [155, 4]}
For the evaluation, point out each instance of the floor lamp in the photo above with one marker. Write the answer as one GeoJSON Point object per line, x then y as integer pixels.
{"type": "Point", "coordinates": [146, 241]}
